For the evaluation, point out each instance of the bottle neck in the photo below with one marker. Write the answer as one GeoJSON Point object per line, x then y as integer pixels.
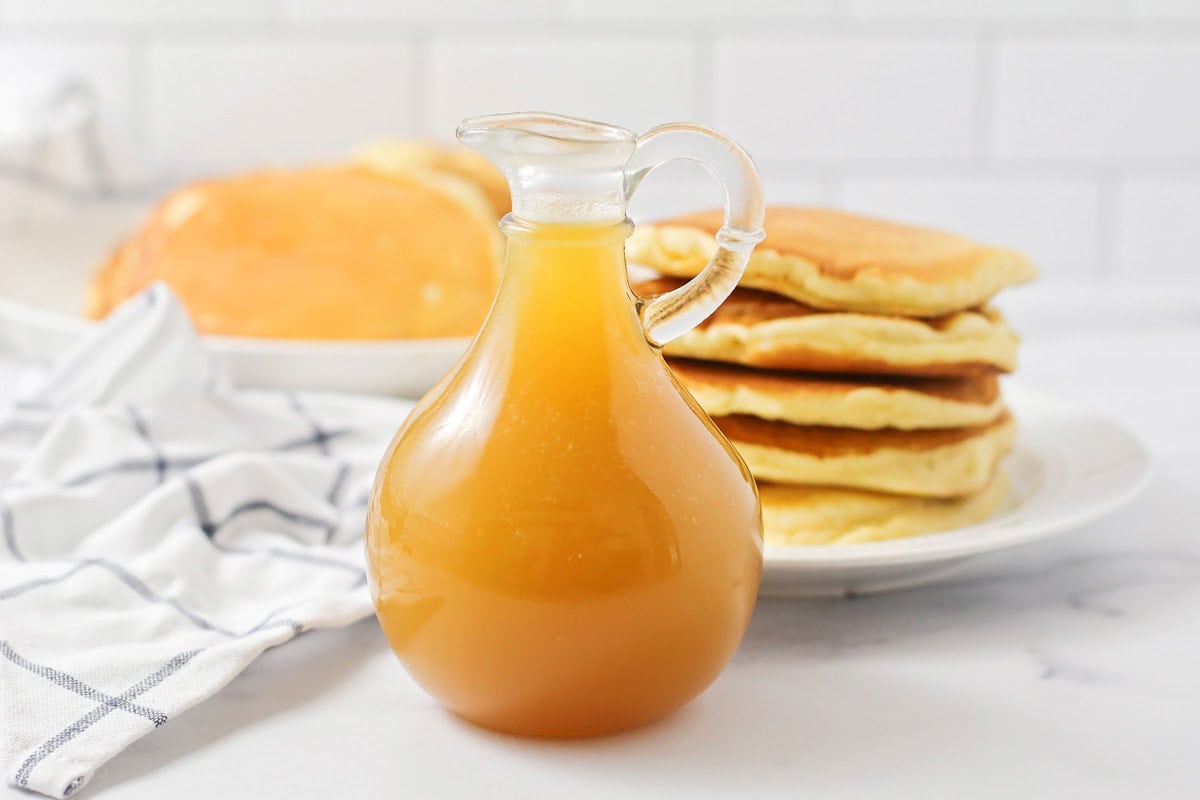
{"type": "Point", "coordinates": [565, 281]}
{"type": "Point", "coordinates": [563, 254]}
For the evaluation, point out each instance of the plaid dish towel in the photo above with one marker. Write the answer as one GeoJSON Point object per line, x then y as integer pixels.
{"type": "Point", "coordinates": [158, 530]}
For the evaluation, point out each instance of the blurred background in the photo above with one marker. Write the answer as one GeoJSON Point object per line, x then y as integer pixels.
{"type": "Point", "coordinates": [1066, 128]}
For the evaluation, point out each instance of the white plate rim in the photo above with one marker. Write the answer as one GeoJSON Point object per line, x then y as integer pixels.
{"type": "Point", "coordinates": [58, 324]}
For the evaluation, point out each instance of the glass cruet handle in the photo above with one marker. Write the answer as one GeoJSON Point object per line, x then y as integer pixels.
{"type": "Point", "coordinates": [673, 314]}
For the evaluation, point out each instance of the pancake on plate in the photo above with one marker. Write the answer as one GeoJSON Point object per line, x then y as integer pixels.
{"type": "Point", "coordinates": [404, 156]}
{"type": "Point", "coordinates": [947, 462]}
{"type": "Point", "coordinates": [811, 515]}
{"type": "Point", "coordinates": [842, 401]}
{"type": "Point", "coordinates": [328, 253]}
{"type": "Point", "coordinates": [762, 329]}
{"type": "Point", "coordinates": [845, 262]}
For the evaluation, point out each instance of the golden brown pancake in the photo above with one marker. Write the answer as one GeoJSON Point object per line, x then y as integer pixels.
{"type": "Point", "coordinates": [404, 156]}
{"type": "Point", "coordinates": [336, 253]}
{"type": "Point", "coordinates": [841, 400]}
{"type": "Point", "coordinates": [948, 462]}
{"type": "Point", "coordinates": [762, 329]}
{"type": "Point", "coordinates": [808, 515]}
{"type": "Point", "coordinates": [844, 262]}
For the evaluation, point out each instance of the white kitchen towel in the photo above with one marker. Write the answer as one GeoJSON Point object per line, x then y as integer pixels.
{"type": "Point", "coordinates": [158, 530]}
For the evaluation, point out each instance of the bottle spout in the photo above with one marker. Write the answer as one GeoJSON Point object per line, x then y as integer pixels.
{"type": "Point", "coordinates": [559, 168]}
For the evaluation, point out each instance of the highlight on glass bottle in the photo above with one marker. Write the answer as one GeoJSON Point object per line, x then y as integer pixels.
{"type": "Point", "coordinates": [559, 541]}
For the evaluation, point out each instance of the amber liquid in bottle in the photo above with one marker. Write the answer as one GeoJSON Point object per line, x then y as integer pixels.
{"type": "Point", "coordinates": [560, 542]}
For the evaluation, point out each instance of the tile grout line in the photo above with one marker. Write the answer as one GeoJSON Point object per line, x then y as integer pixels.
{"type": "Point", "coordinates": [1109, 221]}
{"type": "Point", "coordinates": [138, 78]}
{"type": "Point", "coordinates": [984, 116]}
{"type": "Point", "coordinates": [704, 76]}
{"type": "Point", "coordinates": [833, 187]}
{"type": "Point", "coordinates": [420, 62]}
{"type": "Point", "coordinates": [278, 26]}
{"type": "Point", "coordinates": [1034, 170]}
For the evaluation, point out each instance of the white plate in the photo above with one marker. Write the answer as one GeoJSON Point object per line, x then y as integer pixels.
{"type": "Point", "coordinates": [43, 275]}
{"type": "Point", "coordinates": [402, 368]}
{"type": "Point", "coordinates": [1068, 468]}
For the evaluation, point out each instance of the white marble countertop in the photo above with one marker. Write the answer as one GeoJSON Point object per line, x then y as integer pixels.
{"type": "Point", "coordinates": [1067, 668]}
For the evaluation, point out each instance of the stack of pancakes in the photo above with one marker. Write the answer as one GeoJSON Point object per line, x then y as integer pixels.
{"type": "Point", "coordinates": [855, 369]}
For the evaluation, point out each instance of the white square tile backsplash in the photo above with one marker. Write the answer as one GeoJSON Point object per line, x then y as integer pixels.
{"type": "Point", "coordinates": [702, 9]}
{"type": "Point", "coordinates": [222, 105]}
{"type": "Point", "coordinates": [1159, 229]}
{"type": "Point", "coordinates": [131, 13]}
{"type": "Point", "coordinates": [635, 83]}
{"type": "Point", "coordinates": [986, 9]}
{"type": "Point", "coordinates": [1067, 128]}
{"type": "Point", "coordinates": [847, 97]}
{"type": "Point", "coordinates": [1119, 99]}
{"type": "Point", "coordinates": [360, 10]}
